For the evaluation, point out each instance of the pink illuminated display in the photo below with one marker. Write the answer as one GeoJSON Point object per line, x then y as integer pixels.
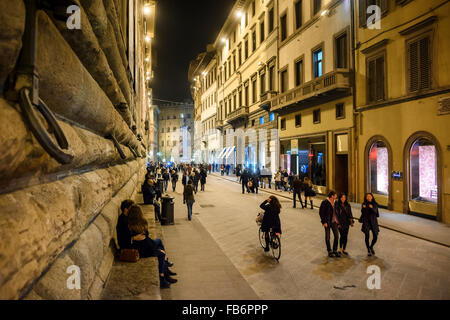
{"type": "Point", "coordinates": [427, 172]}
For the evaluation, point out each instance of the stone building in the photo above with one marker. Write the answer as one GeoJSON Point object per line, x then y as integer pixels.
{"type": "Point", "coordinates": [176, 135]}
{"type": "Point", "coordinates": [402, 106]}
{"type": "Point", "coordinates": [74, 102]}
{"type": "Point", "coordinates": [314, 103]}
{"type": "Point", "coordinates": [246, 62]}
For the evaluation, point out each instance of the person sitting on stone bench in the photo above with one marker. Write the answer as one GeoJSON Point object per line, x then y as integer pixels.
{"type": "Point", "coordinates": [149, 192]}
{"type": "Point", "coordinates": [124, 237]}
{"type": "Point", "coordinates": [147, 247]}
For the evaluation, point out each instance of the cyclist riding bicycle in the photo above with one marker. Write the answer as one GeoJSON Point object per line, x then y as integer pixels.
{"type": "Point", "coordinates": [271, 219]}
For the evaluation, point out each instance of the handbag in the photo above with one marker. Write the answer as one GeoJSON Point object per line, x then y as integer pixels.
{"type": "Point", "coordinates": [250, 184]}
{"type": "Point", "coordinates": [129, 255]}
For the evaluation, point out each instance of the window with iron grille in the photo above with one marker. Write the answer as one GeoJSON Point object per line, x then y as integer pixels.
{"type": "Point", "coordinates": [419, 64]}
{"type": "Point", "coordinates": [376, 78]}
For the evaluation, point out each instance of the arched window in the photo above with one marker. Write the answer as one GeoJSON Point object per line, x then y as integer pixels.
{"type": "Point", "coordinates": [379, 168]}
{"type": "Point", "coordinates": [423, 171]}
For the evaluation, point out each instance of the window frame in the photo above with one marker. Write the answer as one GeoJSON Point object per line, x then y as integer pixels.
{"type": "Point", "coordinates": [315, 121]}
{"type": "Point", "coordinates": [302, 78]}
{"type": "Point", "coordinates": [427, 33]}
{"type": "Point", "coordinates": [336, 36]}
{"type": "Point", "coordinates": [340, 104]}
{"type": "Point", "coordinates": [284, 15]}
{"type": "Point", "coordinates": [280, 73]}
{"type": "Point", "coordinates": [299, 115]}
{"type": "Point", "coordinates": [296, 27]}
{"type": "Point", "coordinates": [374, 56]}
{"type": "Point", "coordinates": [320, 46]}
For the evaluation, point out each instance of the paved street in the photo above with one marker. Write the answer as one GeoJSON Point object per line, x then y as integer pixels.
{"type": "Point", "coordinates": [223, 235]}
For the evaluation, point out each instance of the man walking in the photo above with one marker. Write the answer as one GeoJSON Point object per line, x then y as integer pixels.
{"type": "Point", "coordinates": [297, 188]}
{"type": "Point", "coordinates": [244, 180]}
{"type": "Point", "coordinates": [329, 221]}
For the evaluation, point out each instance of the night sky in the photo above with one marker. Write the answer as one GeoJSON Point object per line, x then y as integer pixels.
{"type": "Point", "coordinates": [183, 29]}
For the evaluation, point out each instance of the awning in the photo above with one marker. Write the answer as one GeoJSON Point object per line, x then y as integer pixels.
{"type": "Point", "coordinates": [220, 155]}
{"type": "Point", "coordinates": [230, 150]}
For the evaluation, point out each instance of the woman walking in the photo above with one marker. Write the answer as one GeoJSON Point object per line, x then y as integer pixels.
{"type": "Point", "coordinates": [174, 177]}
{"type": "Point", "coordinates": [345, 219]}
{"type": "Point", "coordinates": [188, 198]}
{"type": "Point", "coordinates": [369, 220]}
{"type": "Point", "coordinates": [277, 179]}
{"type": "Point", "coordinates": [309, 192]}
{"type": "Point", "coordinates": [271, 219]}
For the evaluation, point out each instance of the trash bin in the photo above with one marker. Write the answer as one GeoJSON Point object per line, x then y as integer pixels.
{"type": "Point", "coordinates": [167, 210]}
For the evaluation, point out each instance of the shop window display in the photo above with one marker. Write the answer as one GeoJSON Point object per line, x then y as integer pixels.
{"type": "Point", "coordinates": [423, 171]}
{"type": "Point", "coordinates": [379, 168]}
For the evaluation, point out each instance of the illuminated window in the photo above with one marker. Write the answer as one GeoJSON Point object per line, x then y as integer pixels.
{"type": "Point", "coordinates": [379, 168]}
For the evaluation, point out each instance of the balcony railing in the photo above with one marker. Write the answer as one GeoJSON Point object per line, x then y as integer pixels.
{"type": "Point", "coordinates": [237, 114]}
{"type": "Point", "coordinates": [316, 88]}
{"type": "Point", "coordinates": [219, 123]}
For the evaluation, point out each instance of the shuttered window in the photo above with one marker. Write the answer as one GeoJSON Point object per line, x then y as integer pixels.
{"type": "Point", "coordinates": [419, 64]}
{"type": "Point", "coordinates": [376, 79]}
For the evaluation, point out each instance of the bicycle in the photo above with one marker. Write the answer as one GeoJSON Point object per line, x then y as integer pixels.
{"type": "Point", "coordinates": [274, 242]}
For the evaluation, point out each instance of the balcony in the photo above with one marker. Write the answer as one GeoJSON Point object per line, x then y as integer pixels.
{"type": "Point", "coordinates": [237, 115]}
{"type": "Point", "coordinates": [219, 123]}
{"type": "Point", "coordinates": [266, 97]}
{"type": "Point", "coordinates": [330, 86]}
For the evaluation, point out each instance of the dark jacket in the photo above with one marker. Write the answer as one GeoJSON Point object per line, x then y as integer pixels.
{"type": "Point", "coordinates": [244, 177]}
{"type": "Point", "coordinates": [148, 193]}
{"type": "Point", "coordinates": [146, 247]}
{"type": "Point", "coordinates": [309, 192]}
{"type": "Point", "coordinates": [297, 185]}
{"type": "Point", "coordinates": [196, 177]}
{"type": "Point", "coordinates": [184, 180]}
{"type": "Point", "coordinates": [174, 177]}
{"type": "Point", "coordinates": [188, 193]}
{"type": "Point", "coordinates": [203, 175]}
{"type": "Point", "coordinates": [326, 212]}
{"type": "Point", "coordinates": [166, 176]}
{"type": "Point", "coordinates": [271, 217]}
{"type": "Point", "coordinates": [369, 217]}
{"type": "Point", "coordinates": [123, 233]}
{"type": "Point", "coordinates": [344, 214]}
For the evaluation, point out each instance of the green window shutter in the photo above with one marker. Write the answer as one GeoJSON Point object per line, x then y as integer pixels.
{"type": "Point", "coordinates": [425, 72]}
{"type": "Point", "coordinates": [413, 55]}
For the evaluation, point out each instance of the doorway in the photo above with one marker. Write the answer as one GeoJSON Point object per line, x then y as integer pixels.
{"type": "Point", "coordinates": [341, 173]}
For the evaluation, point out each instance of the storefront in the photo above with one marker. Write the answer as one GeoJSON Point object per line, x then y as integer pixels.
{"type": "Point", "coordinates": [306, 157]}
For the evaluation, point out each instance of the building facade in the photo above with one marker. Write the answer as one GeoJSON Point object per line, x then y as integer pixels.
{"type": "Point", "coordinates": [357, 92]}
{"type": "Point", "coordinates": [176, 133]}
{"type": "Point", "coordinates": [402, 113]}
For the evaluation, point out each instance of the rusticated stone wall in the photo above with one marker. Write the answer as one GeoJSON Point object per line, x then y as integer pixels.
{"type": "Point", "coordinates": [53, 216]}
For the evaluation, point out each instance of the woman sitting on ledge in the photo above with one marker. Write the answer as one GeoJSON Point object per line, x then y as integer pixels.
{"type": "Point", "coordinates": [148, 247]}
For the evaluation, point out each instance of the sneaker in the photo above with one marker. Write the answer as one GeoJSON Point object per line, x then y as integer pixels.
{"type": "Point", "coordinates": [331, 254]}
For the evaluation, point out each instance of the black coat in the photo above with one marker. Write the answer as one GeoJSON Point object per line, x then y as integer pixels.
{"type": "Point", "coordinates": [203, 175]}
{"type": "Point", "coordinates": [123, 233]}
{"type": "Point", "coordinates": [297, 185]}
{"type": "Point", "coordinates": [344, 214]}
{"type": "Point", "coordinates": [174, 177]}
{"type": "Point", "coordinates": [271, 217]}
{"type": "Point", "coordinates": [184, 180]}
{"type": "Point", "coordinates": [146, 247]}
{"type": "Point", "coordinates": [166, 176]}
{"type": "Point", "coordinates": [309, 192]}
{"type": "Point", "coordinates": [148, 193]}
{"type": "Point", "coordinates": [326, 212]}
{"type": "Point", "coordinates": [369, 217]}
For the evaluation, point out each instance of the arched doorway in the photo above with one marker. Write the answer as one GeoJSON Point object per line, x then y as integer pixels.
{"type": "Point", "coordinates": [422, 175]}
{"type": "Point", "coordinates": [378, 165]}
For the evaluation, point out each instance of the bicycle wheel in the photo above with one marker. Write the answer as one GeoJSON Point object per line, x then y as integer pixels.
{"type": "Point", "coordinates": [275, 245]}
{"type": "Point", "coordinates": [262, 238]}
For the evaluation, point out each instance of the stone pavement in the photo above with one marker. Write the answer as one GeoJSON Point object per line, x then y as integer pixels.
{"type": "Point", "coordinates": [204, 272]}
{"type": "Point", "coordinates": [223, 233]}
{"type": "Point", "coordinates": [421, 228]}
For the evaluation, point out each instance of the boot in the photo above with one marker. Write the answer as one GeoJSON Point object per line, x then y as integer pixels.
{"type": "Point", "coordinates": [163, 283]}
{"type": "Point", "coordinates": [305, 204]}
{"type": "Point", "coordinates": [170, 273]}
{"type": "Point", "coordinates": [170, 279]}
{"type": "Point", "coordinates": [311, 204]}
{"type": "Point", "coordinates": [301, 202]}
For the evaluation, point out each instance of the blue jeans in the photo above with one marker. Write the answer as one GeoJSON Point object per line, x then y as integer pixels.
{"type": "Point", "coordinates": [189, 203]}
{"type": "Point", "coordinates": [159, 244]}
{"type": "Point", "coordinates": [166, 183]}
